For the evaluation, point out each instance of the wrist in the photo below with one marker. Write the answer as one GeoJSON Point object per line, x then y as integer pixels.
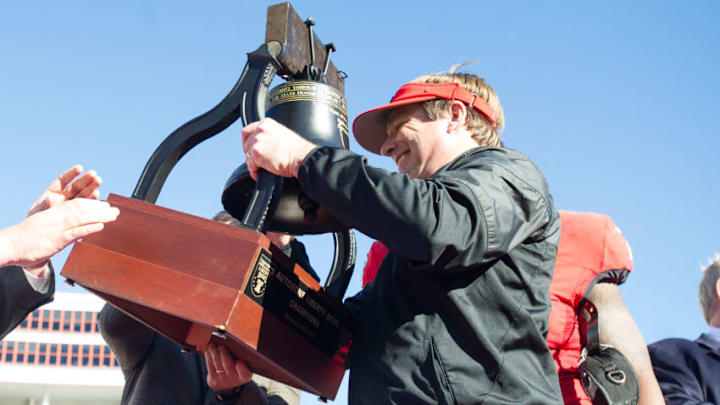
{"type": "Point", "coordinates": [40, 270]}
{"type": "Point", "coordinates": [230, 393]}
{"type": "Point", "coordinates": [15, 238]}
{"type": "Point", "coordinates": [305, 150]}
{"type": "Point", "coordinates": [9, 248]}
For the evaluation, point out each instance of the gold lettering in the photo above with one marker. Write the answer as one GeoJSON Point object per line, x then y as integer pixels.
{"type": "Point", "coordinates": [304, 313]}
{"type": "Point", "coordinates": [304, 330]}
{"type": "Point", "coordinates": [315, 306]}
{"type": "Point", "coordinates": [287, 282]}
{"type": "Point", "coordinates": [332, 320]}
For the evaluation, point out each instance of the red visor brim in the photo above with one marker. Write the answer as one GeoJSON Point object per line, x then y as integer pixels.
{"type": "Point", "coordinates": [369, 127]}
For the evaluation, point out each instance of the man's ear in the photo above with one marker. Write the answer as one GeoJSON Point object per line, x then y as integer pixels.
{"type": "Point", "coordinates": [458, 116]}
{"type": "Point", "coordinates": [717, 290]}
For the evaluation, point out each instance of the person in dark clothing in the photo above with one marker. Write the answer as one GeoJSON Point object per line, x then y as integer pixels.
{"type": "Point", "coordinates": [64, 212]}
{"type": "Point", "coordinates": [18, 297]}
{"type": "Point", "coordinates": [688, 370]}
{"type": "Point", "coordinates": [593, 259]}
{"type": "Point", "coordinates": [157, 372]}
{"type": "Point", "coordinates": [458, 312]}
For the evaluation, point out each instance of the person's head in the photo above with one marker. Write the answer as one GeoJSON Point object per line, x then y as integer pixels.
{"type": "Point", "coordinates": [485, 132]}
{"type": "Point", "coordinates": [432, 120]}
{"type": "Point", "coordinates": [225, 217]}
{"type": "Point", "coordinates": [709, 292]}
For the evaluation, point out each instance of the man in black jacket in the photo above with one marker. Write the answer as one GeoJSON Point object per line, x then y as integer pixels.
{"type": "Point", "coordinates": [65, 212]}
{"type": "Point", "coordinates": [458, 311]}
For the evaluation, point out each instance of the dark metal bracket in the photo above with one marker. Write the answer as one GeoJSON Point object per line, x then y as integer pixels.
{"type": "Point", "coordinates": [246, 100]}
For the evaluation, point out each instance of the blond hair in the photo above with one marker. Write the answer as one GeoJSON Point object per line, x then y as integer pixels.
{"type": "Point", "coordinates": [706, 293]}
{"type": "Point", "coordinates": [480, 126]}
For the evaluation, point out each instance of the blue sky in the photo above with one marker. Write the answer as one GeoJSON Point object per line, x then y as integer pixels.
{"type": "Point", "coordinates": [617, 102]}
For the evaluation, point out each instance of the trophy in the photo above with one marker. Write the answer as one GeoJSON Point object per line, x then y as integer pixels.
{"type": "Point", "coordinates": [195, 280]}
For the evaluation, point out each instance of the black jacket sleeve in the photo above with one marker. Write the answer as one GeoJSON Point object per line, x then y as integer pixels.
{"type": "Point", "coordinates": [474, 210]}
{"type": "Point", "coordinates": [18, 298]}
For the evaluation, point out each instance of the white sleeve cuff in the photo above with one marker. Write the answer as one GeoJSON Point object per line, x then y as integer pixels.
{"type": "Point", "coordinates": [39, 284]}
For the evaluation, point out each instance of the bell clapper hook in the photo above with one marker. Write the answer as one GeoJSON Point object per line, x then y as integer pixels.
{"type": "Point", "coordinates": [312, 72]}
{"type": "Point", "coordinates": [329, 49]}
{"type": "Point", "coordinates": [309, 23]}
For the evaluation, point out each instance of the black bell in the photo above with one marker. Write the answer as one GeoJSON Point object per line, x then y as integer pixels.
{"type": "Point", "coordinates": [318, 113]}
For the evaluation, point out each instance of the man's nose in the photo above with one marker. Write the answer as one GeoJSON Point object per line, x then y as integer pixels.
{"type": "Point", "coordinates": [387, 146]}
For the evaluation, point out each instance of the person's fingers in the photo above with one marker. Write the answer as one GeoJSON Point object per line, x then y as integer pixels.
{"type": "Point", "coordinates": [85, 204]}
{"type": "Point", "coordinates": [242, 371]}
{"type": "Point", "coordinates": [228, 371]}
{"type": "Point", "coordinates": [211, 358]}
{"type": "Point", "coordinates": [51, 236]}
{"type": "Point", "coordinates": [252, 154]}
{"type": "Point", "coordinates": [252, 169]}
{"type": "Point", "coordinates": [90, 190]}
{"type": "Point", "coordinates": [227, 362]}
{"type": "Point", "coordinates": [71, 235]}
{"type": "Point", "coordinates": [59, 184]}
{"type": "Point", "coordinates": [41, 204]}
{"type": "Point", "coordinates": [223, 371]}
{"type": "Point", "coordinates": [83, 186]}
{"type": "Point", "coordinates": [248, 130]}
{"type": "Point", "coordinates": [45, 233]}
{"type": "Point", "coordinates": [248, 143]}
{"type": "Point", "coordinates": [82, 211]}
{"type": "Point", "coordinates": [54, 194]}
{"type": "Point", "coordinates": [91, 210]}
{"type": "Point", "coordinates": [212, 375]}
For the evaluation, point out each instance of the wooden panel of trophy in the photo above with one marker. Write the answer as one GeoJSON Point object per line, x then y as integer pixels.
{"type": "Point", "coordinates": [195, 280]}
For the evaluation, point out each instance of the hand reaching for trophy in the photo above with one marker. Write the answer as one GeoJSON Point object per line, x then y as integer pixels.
{"type": "Point", "coordinates": [272, 146]}
{"type": "Point", "coordinates": [64, 188]}
{"type": "Point", "coordinates": [64, 212]}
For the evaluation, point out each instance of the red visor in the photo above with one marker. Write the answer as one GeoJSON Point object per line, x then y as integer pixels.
{"type": "Point", "coordinates": [369, 127]}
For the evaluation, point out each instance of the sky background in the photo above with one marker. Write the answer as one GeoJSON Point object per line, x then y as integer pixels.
{"type": "Point", "coordinates": [616, 101]}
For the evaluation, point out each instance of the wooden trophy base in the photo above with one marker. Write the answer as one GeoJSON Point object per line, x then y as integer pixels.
{"type": "Point", "coordinates": [195, 280]}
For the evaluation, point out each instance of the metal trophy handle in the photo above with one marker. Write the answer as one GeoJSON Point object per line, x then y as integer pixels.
{"type": "Point", "coordinates": [246, 100]}
{"type": "Point", "coordinates": [251, 88]}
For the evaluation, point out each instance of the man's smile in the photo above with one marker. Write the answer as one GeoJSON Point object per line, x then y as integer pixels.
{"type": "Point", "coordinates": [401, 156]}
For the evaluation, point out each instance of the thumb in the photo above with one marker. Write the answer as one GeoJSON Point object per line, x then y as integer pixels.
{"type": "Point", "coordinates": [242, 371]}
{"type": "Point", "coordinates": [41, 204]}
